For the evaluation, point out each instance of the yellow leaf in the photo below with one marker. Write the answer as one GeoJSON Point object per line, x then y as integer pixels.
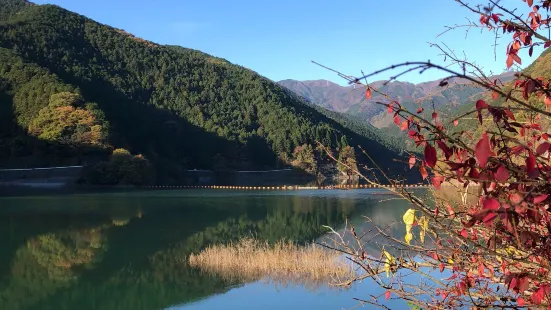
{"type": "Point", "coordinates": [511, 250]}
{"type": "Point", "coordinates": [389, 261]}
{"type": "Point", "coordinates": [408, 228]}
{"type": "Point", "coordinates": [409, 236]}
{"type": "Point", "coordinates": [409, 217]}
{"type": "Point", "coordinates": [424, 224]}
{"type": "Point", "coordinates": [388, 256]}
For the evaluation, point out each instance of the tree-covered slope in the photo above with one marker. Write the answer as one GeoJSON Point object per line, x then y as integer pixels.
{"type": "Point", "coordinates": [179, 107]}
{"type": "Point", "coordinates": [540, 67]}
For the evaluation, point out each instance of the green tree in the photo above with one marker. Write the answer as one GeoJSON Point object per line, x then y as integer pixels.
{"type": "Point", "coordinates": [305, 158]}
{"type": "Point", "coordinates": [347, 161]}
{"type": "Point", "coordinates": [122, 168]}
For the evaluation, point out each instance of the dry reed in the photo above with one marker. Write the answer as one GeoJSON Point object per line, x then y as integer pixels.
{"type": "Point", "coordinates": [283, 263]}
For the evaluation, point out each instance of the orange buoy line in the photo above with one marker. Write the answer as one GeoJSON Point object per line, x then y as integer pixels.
{"type": "Point", "coordinates": [287, 187]}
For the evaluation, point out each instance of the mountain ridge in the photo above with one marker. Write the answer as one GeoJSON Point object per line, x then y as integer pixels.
{"type": "Point", "coordinates": [179, 107]}
{"type": "Point", "coordinates": [351, 99]}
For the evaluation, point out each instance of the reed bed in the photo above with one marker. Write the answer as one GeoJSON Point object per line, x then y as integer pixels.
{"type": "Point", "coordinates": [283, 263]}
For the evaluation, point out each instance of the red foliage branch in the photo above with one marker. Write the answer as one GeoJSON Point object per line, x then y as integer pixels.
{"type": "Point", "coordinates": [503, 240]}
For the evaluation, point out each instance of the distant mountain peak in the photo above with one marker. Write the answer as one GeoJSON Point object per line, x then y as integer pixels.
{"type": "Point", "coordinates": [346, 99]}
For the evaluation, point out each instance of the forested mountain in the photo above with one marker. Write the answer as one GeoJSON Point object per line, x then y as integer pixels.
{"type": "Point", "coordinates": [351, 100]}
{"type": "Point", "coordinates": [74, 91]}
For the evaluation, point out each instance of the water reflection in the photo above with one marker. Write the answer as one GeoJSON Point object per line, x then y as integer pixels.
{"type": "Point", "coordinates": [129, 250]}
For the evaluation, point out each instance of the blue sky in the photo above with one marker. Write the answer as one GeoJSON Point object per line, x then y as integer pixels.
{"type": "Point", "coordinates": [278, 39]}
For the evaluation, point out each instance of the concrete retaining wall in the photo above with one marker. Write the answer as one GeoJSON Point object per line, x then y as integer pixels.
{"type": "Point", "coordinates": [40, 178]}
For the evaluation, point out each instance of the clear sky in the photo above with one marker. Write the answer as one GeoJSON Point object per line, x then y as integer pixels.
{"type": "Point", "coordinates": [278, 39]}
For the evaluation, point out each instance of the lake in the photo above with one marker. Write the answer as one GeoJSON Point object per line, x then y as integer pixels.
{"type": "Point", "coordinates": [128, 250]}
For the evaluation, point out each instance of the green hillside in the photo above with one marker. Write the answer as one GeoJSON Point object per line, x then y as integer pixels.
{"type": "Point", "coordinates": [73, 90]}
{"type": "Point", "coordinates": [540, 67]}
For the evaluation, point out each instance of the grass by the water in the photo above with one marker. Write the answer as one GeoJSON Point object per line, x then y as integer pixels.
{"type": "Point", "coordinates": [250, 259]}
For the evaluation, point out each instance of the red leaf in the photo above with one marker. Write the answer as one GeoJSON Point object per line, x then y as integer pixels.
{"type": "Point", "coordinates": [530, 2]}
{"type": "Point", "coordinates": [474, 173]}
{"type": "Point", "coordinates": [451, 212]}
{"type": "Point", "coordinates": [411, 161]}
{"type": "Point", "coordinates": [434, 115]}
{"type": "Point", "coordinates": [397, 120]}
{"type": "Point", "coordinates": [542, 148]}
{"type": "Point", "coordinates": [483, 19]}
{"type": "Point", "coordinates": [540, 198]}
{"type": "Point", "coordinates": [523, 284]}
{"type": "Point", "coordinates": [423, 171]}
{"type": "Point", "coordinates": [502, 174]}
{"type": "Point", "coordinates": [491, 204]}
{"type": "Point", "coordinates": [404, 126]}
{"type": "Point", "coordinates": [477, 217]}
{"type": "Point", "coordinates": [509, 61]}
{"type": "Point", "coordinates": [547, 44]}
{"type": "Point", "coordinates": [387, 295]}
{"type": "Point", "coordinates": [531, 165]}
{"type": "Point", "coordinates": [482, 150]}
{"type": "Point", "coordinates": [528, 88]}
{"type": "Point", "coordinates": [420, 110]}
{"type": "Point", "coordinates": [512, 283]}
{"type": "Point", "coordinates": [441, 267]}
{"type": "Point", "coordinates": [455, 122]}
{"type": "Point", "coordinates": [488, 218]}
{"type": "Point", "coordinates": [517, 149]}
{"type": "Point", "coordinates": [481, 269]}
{"type": "Point", "coordinates": [495, 95]}
{"type": "Point", "coordinates": [481, 104]}
{"type": "Point", "coordinates": [547, 101]}
{"type": "Point", "coordinates": [368, 93]}
{"type": "Point", "coordinates": [516, 58]}
{"type": "Point", "coordinates": [520, 302]}
{"type": "Point", "coordinates": [495, 17]}
{"type": "Point", "coordinates": [437, 180]}
{"type": "Point", "coordinates": [509, 114]}
{"type": "Point", "coordinates": [447, 151]}
{"type": "Point", "coordinates": [516, 198]}
{"type": "Point", "coordinates": [464, 233]}
{"type": "Point", "coordinates": [539, 296]}
{"type": "Point", "coordinates": [430, 155]}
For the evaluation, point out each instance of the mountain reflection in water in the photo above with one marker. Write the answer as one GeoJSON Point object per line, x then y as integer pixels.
{"type": "Point", "coordinates": [129, 250]}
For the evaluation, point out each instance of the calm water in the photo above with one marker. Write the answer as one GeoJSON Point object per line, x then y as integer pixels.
{"type": "Point", "coordinates": [129, 250]}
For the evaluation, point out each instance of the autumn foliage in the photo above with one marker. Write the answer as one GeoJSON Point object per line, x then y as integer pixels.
{"type": "Point", "coordinates": [496, 252]}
